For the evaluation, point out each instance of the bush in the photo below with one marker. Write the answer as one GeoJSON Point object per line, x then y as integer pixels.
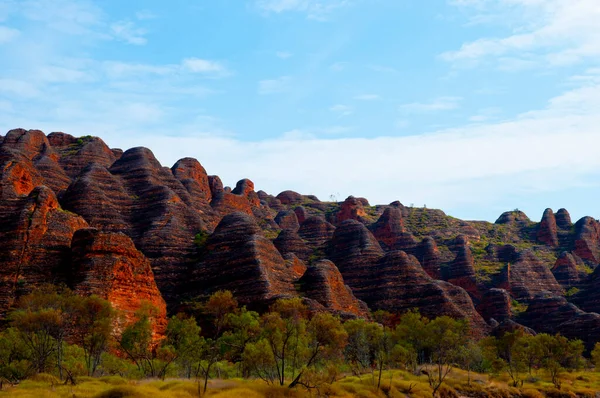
{"type": "Point", "coordinates": [120, 392]}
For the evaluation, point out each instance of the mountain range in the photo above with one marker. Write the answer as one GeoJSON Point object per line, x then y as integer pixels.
{"type": "Point", "coordinates": [121, 225]}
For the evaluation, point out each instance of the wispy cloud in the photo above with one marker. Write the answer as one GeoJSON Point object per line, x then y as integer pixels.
{"type": "Point", "coordinates": [338, 66]}
{"type": "Point", "coordinates": [546, 33]}
{"type": "Point", "coordinates": [145, 14]}
{"type": "Point", "coordinates": [8, 34]}
{"type": "Point", "coordinates": [342, 110]}
{"type": "Point", "coordinates": [314, 9]}
{"type": "Point", "coordinates": [438, 104]}
{"type": "Point", "coordinates": [382, 68]}
{"type": "Point", "coordinates": [274, 86]}
{"type": "Point", "coordinates": [127, 31]}
{"type": "Point", "coordinates": [284, 54]}
{"type": "Point", "coordinates": [197, 65]}
{"type": "Point", "coordinates": [367, 97]}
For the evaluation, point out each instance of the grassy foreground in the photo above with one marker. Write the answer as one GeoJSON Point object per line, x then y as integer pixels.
{"type": "Point", "coordinates": [394, 384]}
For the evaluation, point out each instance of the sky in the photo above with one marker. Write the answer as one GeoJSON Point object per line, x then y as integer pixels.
{"type": "Point", "coordinates": [472, 106]}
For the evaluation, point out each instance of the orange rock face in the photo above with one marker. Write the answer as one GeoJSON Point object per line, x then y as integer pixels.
{"type": "Point", "coordinates": [107, 264]}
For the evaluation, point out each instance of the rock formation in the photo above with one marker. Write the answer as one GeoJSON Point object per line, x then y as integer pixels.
{"type": "Point", "coordinates": [108, 265]}
{"type": "Point", "coordinates": [323, 283]}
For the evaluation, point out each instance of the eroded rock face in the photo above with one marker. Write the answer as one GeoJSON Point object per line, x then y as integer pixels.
{"type": "Point", "coordinates": [240, 259]}
{"type": "Point", "coordinates": [589, 298]}
{"type": "Point", "coordinates": [429, 256]}
{"type": "Point", "coordinates": [290, 198]}
{"type": "Point", "coordinates": [587, 239]}
{"type": "Point", "coordinates": [399, 283]}
{"type": "Point", "coordinates": [528, 276]}
{"type": "Point", "coordinates": [351, 209]}
{"type": "Point", "coordinates": [316, 232]}
{"type": "Point", "coordinates": [548, 313]}
{"type": "Point", "coordinates": [566, 271]}
{"type": "Point", "coordinates": [323, 283]}
{"type": "Point", "coordinates": [289, 242]}
{"type": "Point", "coordinates": [461, 271]}
{"type": "Point", "coordinates": [513, 217]}
{"type": "Point", "coordinates": [389, 228]}
{"type": "Point", "coordinates": [287, 220]}
{"type": "Point", "coordinates": [36, 238]}
{"type": "Point", "coordinates": [107, 264]}
{"type": "Point", "coordinates": [355, 251]}
{"type": "Point", "coordinates": [495, 304]}
{"type": "Point", "coordinates": [563, 219]}
{"type": "Point", "coordinates": [548, 230]}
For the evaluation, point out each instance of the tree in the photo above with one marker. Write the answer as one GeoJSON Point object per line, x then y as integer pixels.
{"type": "Point", "coordinates": [326, 340]}
{"type": "Point", "coordinates": [183, 342]}
{"type": "Point", "coordinates": [93, 320]}
{"type": "Point", "coordinates": [358, 350]}
{"type": "Point", "coordinates": [14, 357]}
{"type": "Point", "coordinates": [596, 355]}
{"type": "Point", "coordinates": [219, 306]}
{"type": "Point", "coordinates": [243, 327]}
{"type": "Point", "coordinates": [443, 338]}
{"type": "Point", "coordinates": [259, 358]}
{"type": "Point", "coordinates": [409, 334]}
{"type": "Point", "coordinates": [41, 319]}
{"type": "Point", "coordinates": [505, 353]}
{"type": "Point", "coordinates": [559, 353]}
{"type": "Point", "coordinates": [284, 329]}
{"type": "Point", "coordinates": [470, 357]}
{"type": "Point", "coordinates": [137, 343]}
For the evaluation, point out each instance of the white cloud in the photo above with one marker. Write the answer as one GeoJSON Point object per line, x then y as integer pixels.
{"type": "Point", "coordinates": [479, 166]}
{"type": "Point", "coordinates": [438, 104]}
{"type": "Point", "coordinates": [367, 97]}
{"type": "Point", "coordinates": [314, 9]}
{"type": "Point", "coordinates": [8, 34]}
{"type": "Point", "coordinates": [145, 14]}
{"type": "Point", "coordinates": [127, 31]}
{"type": "Point", "coordinates": [342, 110]}
{"type": "Point", "coordinates": [338, 66]}
{"type": "Point", "coordinates": [382, 68]}
{"type": "Point", "coordinates": [274, 86]}
{"type": "Point", "coordinates": [18, 88]}
{"type": "Point", "coordinates": [284, 54]}
{"type": "Point", "coordinates": [544, 33]}
{"type": "Point", "coordinates": [197, 65]}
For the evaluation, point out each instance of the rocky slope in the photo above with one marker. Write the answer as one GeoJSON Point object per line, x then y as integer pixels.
{"type": "Point", "coordinates": [119, 224]}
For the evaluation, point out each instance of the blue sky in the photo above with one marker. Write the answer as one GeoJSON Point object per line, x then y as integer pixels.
{"type": "Point", "coordinates": [472, 106]}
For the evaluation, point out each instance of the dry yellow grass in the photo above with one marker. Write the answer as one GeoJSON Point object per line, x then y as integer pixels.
{"type": "Point", "coordinates": [394, 384]}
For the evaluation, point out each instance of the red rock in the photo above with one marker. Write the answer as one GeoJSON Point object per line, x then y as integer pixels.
{"type": "Point", "coordinates": [193, 176]}
{"type": "Point", "coordinates": [287, 219]}
{"type": "Point", "coordinates": [398, 283]}
{"type": "Point", "coordinates": [240, 259]}
{"type": "Point", "coordinates": [547, 230]}
{"type": "Point", "coordinates": [461, 271]}
{"type": "Point", "coordinates": [429, 256]}
{"type": "Point", "coordinates": [323, 283]}
{"type": "Point", "coordinates": [355, 251]}
{"type": "Point", "coordinates": [389, 228]}
{"type": "Point", "coordinates": [216, 186]}
{"type": "Point", "coordinates": [495, 304]}
{"type": "Point", "coordinates": [351, 209]}
{"type": "Point", "coordinates": [36, 237]}
{"type": "Point", "coordinates": [548, 313]}
{"type": "Point", "coordinates": [587, 239]}
{"type": "Point", "coordinates": [316, 232]}
{"type": "Point", "coordinates": [301, 214]}
{"type": "Point", "coordinates": [566, 272]}
{"type": "Point", "coordinates": [289, 242]}
{"type": "Point", "coordinates": [510, 326]}
{"type": "Point", "coordinates": [31, 143]}
{"type": "Point", "coordinates": [87, 150]}
{"type": "Point", "coordinates": [290, 198]}
{"type": "Point", "coordinates": [528, 276]}
{"type": "Point", "coordinates": [563, 219]}
{"type": "Point", "coordinates": [513, 217]}
{"type": "Point", "coordinates": [108, 265]}
{"type": "Point", "coordinates": [61, 140]}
